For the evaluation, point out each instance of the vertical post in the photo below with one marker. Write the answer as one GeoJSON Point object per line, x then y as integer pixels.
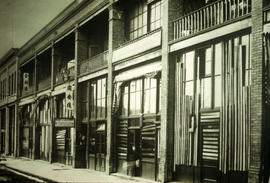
{"type": "Point", "coordinates": [52, 66]}
{"type": "Point", "coordinates": [171, 10]}
{"type": "Point", "coordinates": [256, 92]}
{"type": "Point", "coordinates": [75, 161]}
{"type": "Point", "coordinates": [80, 55]}
{"type": "Point", "coordinates": [17, 124]}
{"type": "Point", "coordinates": [18, 86]}
{"type": "Point", "coordinates": [16, 129]}
{"type": "Point", "coordinates": [1, 131]}
{"type": "Point", "coordinates": [51, 131]}
{"type": "Point", "coordinates": [116, 37]}
{"type": "Point", "coordinates": [34, 150]}
{"type": "Point", "coordinates": [7, 131]}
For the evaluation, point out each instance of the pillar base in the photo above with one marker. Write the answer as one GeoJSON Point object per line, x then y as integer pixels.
{"type": "Point", "coordinates": [254, 175]}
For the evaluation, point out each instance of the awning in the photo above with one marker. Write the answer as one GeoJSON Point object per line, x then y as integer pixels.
{"type": "Point", "coordinates": [138, 72]}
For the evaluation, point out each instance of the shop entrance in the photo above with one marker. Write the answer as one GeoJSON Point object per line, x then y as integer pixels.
{"type": "Point", "coordinates": [138, 128]}
{"type": "Point", "coordinates": [97, 146]}
{"type": "Point", "coordinates": [26, 131]}
{"type": "Point", "coordinates": [197, 119]}
{"type": "Point", "coordinates": [3, 131]}
{"type": "Point", "coordinates": [26, 142]}
{"type": "Point", "coordinates": [63, 144]}
{"type": "Point", "coordinates": [11, 126]}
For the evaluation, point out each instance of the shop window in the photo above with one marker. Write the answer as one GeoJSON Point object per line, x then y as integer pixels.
{"type": "Point", "coordinates": [132, 101]}
{"type": "Point", "coordinates": [100, 138]}
{"type": "Point", "coordinates": [101, 98]}
{"type": "Point", "coordinates": [44, 112]}
{"type": "Point", "coordinates": [125, 101]}
{"type": "Point", "coordinates": [93, 88]}
{"type": "Point", "coordinates": [92, 140]}
{"type": "Point", "coordinates": [135, 97]}
{"type": "Point", "coordinates": [150, 95]}
{"type": "Point", "coordinates": [159, 95]}
{"type": "Point", "coordinates": [217, 78]}
{"type": "Point", "coordinates": [63, 108]}
{"type": "Point", "coordinates": [246, 64]}
{"type": "Point", "coordinates": [189, 73]}
{"type": "Point", "coordinates": [98, 99]}
{"type": "Point", "coordinates": [205, 57]}
{"type": "Point", "coordinates": [84, 101]}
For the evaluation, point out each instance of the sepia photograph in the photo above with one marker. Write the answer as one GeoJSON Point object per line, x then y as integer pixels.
{"type": "Point", "coordinates": [135, 91]}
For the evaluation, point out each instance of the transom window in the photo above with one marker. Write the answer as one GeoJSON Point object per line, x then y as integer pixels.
{"type": "Point", "coordinates": [141, 96]}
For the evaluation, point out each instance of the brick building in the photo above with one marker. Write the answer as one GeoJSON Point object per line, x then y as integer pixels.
{"type": "Point", "coordinates": [167, 90]}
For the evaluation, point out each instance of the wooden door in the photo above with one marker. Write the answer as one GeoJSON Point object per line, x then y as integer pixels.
{"type": "Point", "coordinates": [60, 145]}
{"type": "Point", "coordinates": [134, 152]}
{"type": "Point", "coordinates": [148, 148]}
{"type": "Point", "coordinates": [209, 87]}
{"type": "Point", "coordinates": [100, 151]}
{"type": "Point", "coordinates": [209, 135]}
{"type": "Point", "coordinates": [25, 142]}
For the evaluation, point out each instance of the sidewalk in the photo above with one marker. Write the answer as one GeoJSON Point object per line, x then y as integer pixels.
{"type": "Point", "coordinates": [61, 173]}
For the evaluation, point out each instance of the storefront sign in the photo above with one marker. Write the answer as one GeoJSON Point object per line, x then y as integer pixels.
{"type": "Point", "coordinates": [64, 123]}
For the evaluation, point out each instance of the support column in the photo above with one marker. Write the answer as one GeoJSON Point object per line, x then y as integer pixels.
{"type": "Point", "coordinates": [15, 150]}
{"type": "Point", "coordinates": [35, 139]}
{"type": "Point", "coordinates": [80, 55]}
{"type": "Point", "coordinates": [17, 126]}
{"type": "Point", "coordinates": [256, 92]}
{"type": "Point", "coordinates": [116, 37]}
{"type": "Point", "coordinates": [7, 132]}
{"type": "Point", "coordinates": [54, 57]}
{"type": "Point", "coordinates": [171, 10]}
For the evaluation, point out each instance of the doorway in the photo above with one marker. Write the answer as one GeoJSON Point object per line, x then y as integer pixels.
{"type": "Point", "coordinates": [97, 146]}
{"type": "Point", "coordinates": [197, 114]}
{"type": "Point", "coordinates": [11, 126]}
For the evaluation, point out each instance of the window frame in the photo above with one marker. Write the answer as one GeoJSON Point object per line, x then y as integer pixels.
{"type": "Point", "coordinates": [93, 136]}
{"type": "Point", "coordinates": [146, 11]}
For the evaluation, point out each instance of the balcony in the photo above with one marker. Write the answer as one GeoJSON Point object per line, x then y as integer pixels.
{"type": "Point", "coordinates": [137, 46]}
{"type": "Point", "coordinates": [66, 73]}
{"type": "Point", "coordinates": [210, 16]}
{"type": "Point", "coordinates": [94, 63]}
{"type": "Point", "coordinates": [29, 91]}
{"type": "Point", "coordinates": [43, 84]}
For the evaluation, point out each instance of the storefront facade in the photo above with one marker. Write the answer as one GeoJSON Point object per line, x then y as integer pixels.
{"type": "Point", "coordinates": [160, 89]}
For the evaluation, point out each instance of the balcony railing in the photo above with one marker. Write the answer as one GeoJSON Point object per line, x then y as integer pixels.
{"type": "Point", "coordinates": [214, 14]}
{"type": "Point", "coordinates": [92, 64]}
{"type": "Point", "coordinates": [44, 83]}
{"type": "Point", "coordinates": [30, 91]}
{"type": "Point", "coordinates": [65, 73]}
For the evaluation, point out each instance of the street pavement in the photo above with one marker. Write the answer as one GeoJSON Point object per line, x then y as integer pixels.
{"type": "Point", "coordinates": [60, 173]}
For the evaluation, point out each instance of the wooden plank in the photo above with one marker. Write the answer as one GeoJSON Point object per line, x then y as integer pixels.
{"type": "Point", "coordinates": [204, 18]}
{"type": "Point", "coordinates": [191, 23]}
{"type": "Point", "coordinates": [201, 20]}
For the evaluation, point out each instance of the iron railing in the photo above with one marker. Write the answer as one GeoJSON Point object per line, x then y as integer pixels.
{"type": "Point", "coordinates": [89, 65]}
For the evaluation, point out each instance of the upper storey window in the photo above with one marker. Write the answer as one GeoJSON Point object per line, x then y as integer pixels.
{"type": "Point", "coordinates": [155, 15]}
{"type": "Point", "coordinates": [143, 17]}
